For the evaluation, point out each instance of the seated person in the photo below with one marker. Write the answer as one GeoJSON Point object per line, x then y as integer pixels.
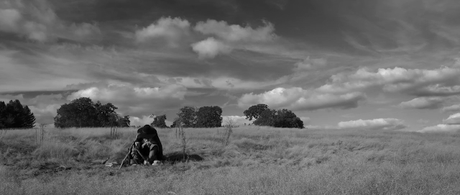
{"type": "Point", "coordinates": [147, 147]}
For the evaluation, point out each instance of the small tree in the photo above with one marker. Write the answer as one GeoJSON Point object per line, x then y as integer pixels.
{"type": "Point", "coordinates": [255, 112]}
{"type": "Point", "coordinates": [159, 121]}
{"type": "Point", "coordinates": [82, 112]}
{"type": "Point", "coordinates": [15, 115]}
{"type": "Point", "coordinates": [209, 116]}
{"type": "Point", "coordinates": [276, 118]}
{"type": "Point", "coordinates": [188, 116]}
{"type": "Point", "coordinates": [287, 119]}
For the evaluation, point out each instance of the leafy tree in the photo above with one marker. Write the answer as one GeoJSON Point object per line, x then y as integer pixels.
{"type": "Point", "coordinates": [106, 115]}
{"type": "Point", "coordinates": [266, 118]}
{"type": "Point", "coordinates": [82, 112]}
{"type": "Point", "coordinates": [188, 116]}
{"type": "Point", "coordinates": [276, 118]}
{"type": "Point", "coordinates": [209, 116]}
{"type": "Point", "coordinates": [255, 112]}
{"type": "Point", "coordinates": [123, 121]}
{"type": "Point", "coordinates": [159, 121]}
{"type": "Point", "coordinates": [287, 119]}
{"type": "Point", "coordinates": [15, 115]}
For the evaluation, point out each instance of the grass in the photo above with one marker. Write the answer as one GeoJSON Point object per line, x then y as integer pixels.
{"type": "Point", "coordinates": [256, 161]}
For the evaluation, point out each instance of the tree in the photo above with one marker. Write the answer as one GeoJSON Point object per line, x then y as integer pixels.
{"type": "Point", "coordinates": [276, 118]}
{"type": "Point", "coordinates": [123, 121]}
{"type": "Point", "coordinates": [266, 118]}
{"type": "Point", "coordinates": [159, 121]}
{"type": "Point", "coordinates": [28, 118]}
{"type": "Point", "coordinates": [188, 116]}
{"type": "Point", "coordinates": [209, 116]}
{"type": "Point", "coordinates": [82, 112]}
{"type": "Point", "coordinates": [15, 115]}
{"type": "Point", "coordinates": [287, 119]}
{"type": "Point", "coordinates": [106, 115]}
{"type": "Point", "coordinates": [254, 112]}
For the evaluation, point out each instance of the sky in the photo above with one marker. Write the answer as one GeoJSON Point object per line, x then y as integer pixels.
{"type": "Point", "coordinates": [361, 64]}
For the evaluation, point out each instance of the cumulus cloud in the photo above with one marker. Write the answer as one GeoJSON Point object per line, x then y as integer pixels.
{"type": "Point", "coordinates": [297, 98]}
{"type": "Point", "coordinates": [9, 19]}
{"type": "Point", "coordinates": [374, 124]}
{"type": "Point", "coordinates": [210, 48]}
{"type": "Point", "coordinates": [140, 121]}
{"type": "Point", "coordinates": [452, 108]}
{"type": "Point", "coordinates": [37, 21]}
{"type": "Point", "coordinates": [453, 119]}
{"type": "Point", "coordinates": [226, 37]}
{"type": "Point", "coordinates": [440, 128]}
{"type": "Point", "coordinates": [235, 32]}
{"type": "Point", "coordinates": [395, 80]}
{"type": "Point", "coordinates": [423, 103]}
{"type": "Point", "coordinates": [146, 99]}
{"type": "Point", "coordinates": [171, 29]}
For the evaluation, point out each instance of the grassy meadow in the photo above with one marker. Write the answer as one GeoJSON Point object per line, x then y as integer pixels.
{"type": "Point", "coordinates": [257, 160]}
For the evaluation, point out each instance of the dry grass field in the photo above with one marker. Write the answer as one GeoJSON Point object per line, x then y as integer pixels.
{"type": "Point", "coordinates": [256, 161]}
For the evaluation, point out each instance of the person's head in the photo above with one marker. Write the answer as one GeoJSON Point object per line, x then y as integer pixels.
{"type": "Point", "coordinates": [147, 129]}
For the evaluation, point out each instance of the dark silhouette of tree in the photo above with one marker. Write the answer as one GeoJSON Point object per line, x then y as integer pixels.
{"type": "Point", "coordinates": [78, 113]}
{"type": "Point", "coordinates": [266, 118]}
{"type": "Point", "coordinates": [14, 115]}
{"type": "Point", "coordinates": [123, 121]}
{"type": "Point", "coordinates": [82, 112]}
{"type": "Point", "coordinates": [287, 119]}
{"type": "Point", "coordinates": [159, 121]}
{"type": "Point", "coordinates": [29, 118]}
{"type": "Point", "coordinates": [254, 112]}
{"type": "Point", "coordinates": [188, 116]}
{"type": "Point", "coordinates": [106, 115]}
{"type": "Point", "coordinates": [2, 115]}
{"type": "Point", "coordinates": [209, 116]}
{"type": "Point", "coordinates": [276, 118]}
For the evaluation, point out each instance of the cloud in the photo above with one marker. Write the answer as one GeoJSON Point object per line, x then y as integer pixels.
{"type": "Point", "coordinates": [9, 19]}
{"type": "Point", "coordinates": [394, 79]}
{"type": "Point", "coordinates": [171, 29]}
{"type": "Point", "coordinates": [36, 20]}
{"type": "Point", "coordinates": [210, 48]}
{"type": "Point", "coordinates": [423, 103]}
{"type": "Point", "coordinates": [453, 119]}
{"type": "Point", "coordinates": [229, 37]}
{"type": "Point", "coordinates": [297, 98]}
{"type": "Point", "coordinates": [140, 121]}
{"type": "Point", "coordinates": [453, 108]}
{"type": "Point", "coordinates": [310, 64]}
{"type": "Point", "coordinates": [440, 128]}
{"type": "Point", "coordinates": [235, 32]}
{"type": "Point", "coordinates": [450, 124]}
{"type": "Point", "coordinates": [374, 124]}
{"type": "Point", "coordinates": [135, 100]}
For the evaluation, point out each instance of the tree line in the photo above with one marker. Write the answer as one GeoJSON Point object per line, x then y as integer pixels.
{"type": "Point", "coordinates": [83, 112]}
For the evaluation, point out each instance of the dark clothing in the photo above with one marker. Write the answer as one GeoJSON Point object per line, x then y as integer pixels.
{"type": "Point", "coordinates": [148, 144]}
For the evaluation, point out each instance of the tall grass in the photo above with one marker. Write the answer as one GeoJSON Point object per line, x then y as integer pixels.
{"type": "Point", "coordinates": [255, 161]}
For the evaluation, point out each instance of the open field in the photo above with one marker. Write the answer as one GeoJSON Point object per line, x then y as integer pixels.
{"type": "Point", "coordinates": [256, 161]}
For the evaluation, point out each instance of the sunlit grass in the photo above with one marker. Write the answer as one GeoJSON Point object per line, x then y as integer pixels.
{"type": "Point", "coordinates": [258, 160]}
